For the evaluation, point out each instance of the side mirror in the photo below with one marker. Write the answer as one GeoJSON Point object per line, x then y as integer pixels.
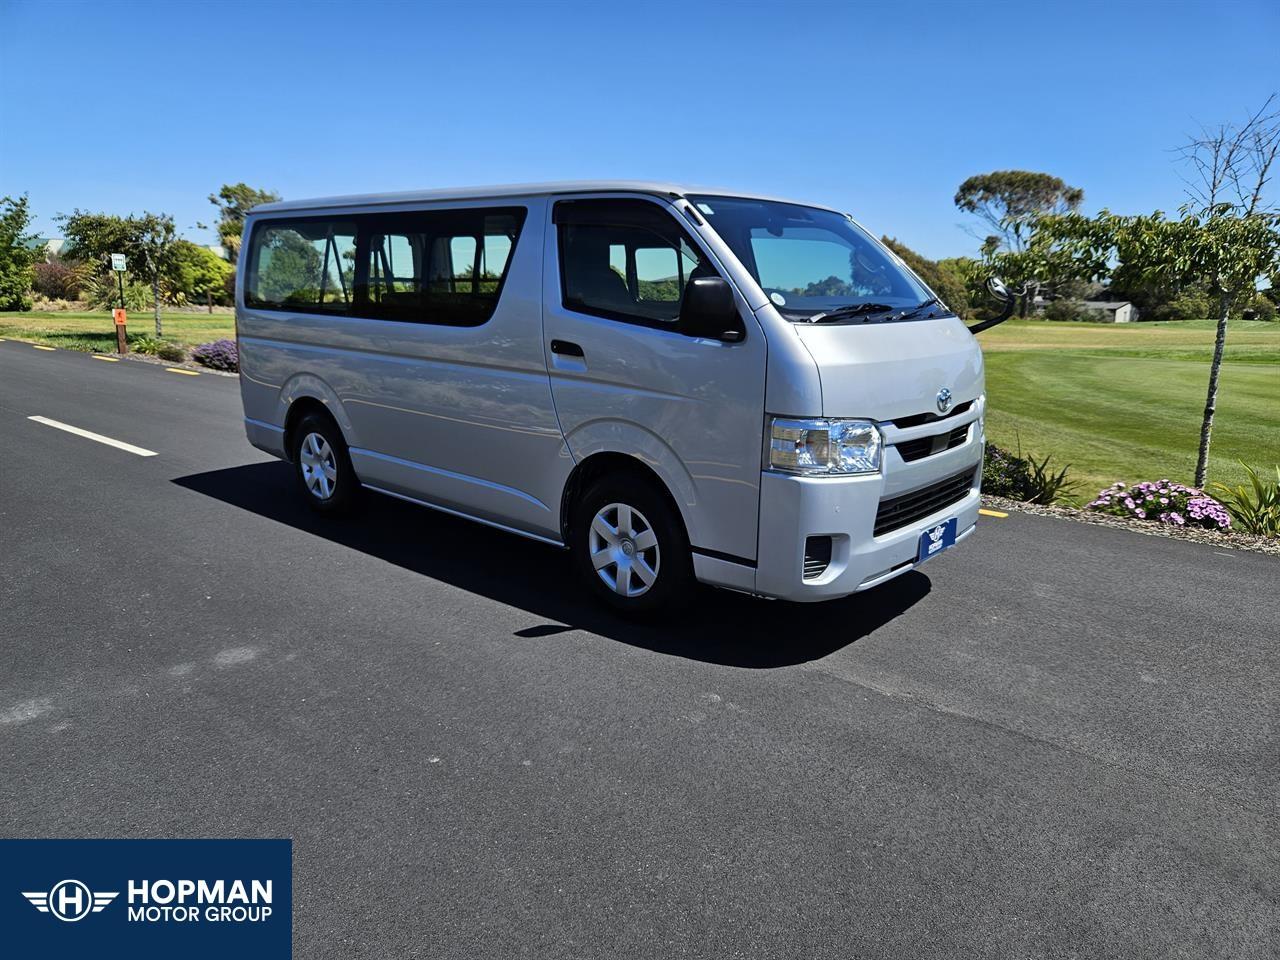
{"type": "Point", "coordinates": [709, 310]}
{"type": "Point", "coordinates": [996, 287]}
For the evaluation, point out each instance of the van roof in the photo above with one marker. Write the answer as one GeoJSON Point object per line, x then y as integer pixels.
{"type": "Point", "coordinates": [515, 190]}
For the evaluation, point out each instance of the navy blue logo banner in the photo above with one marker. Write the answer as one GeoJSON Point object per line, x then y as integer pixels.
{"type": "Point", "coordinates": [147, 898]}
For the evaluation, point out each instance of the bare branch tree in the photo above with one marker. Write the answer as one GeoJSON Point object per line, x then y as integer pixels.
{"type": "Point", "coordinates": [1231, 160]}
{"type": "Point", "coordinates": [1234, 159]}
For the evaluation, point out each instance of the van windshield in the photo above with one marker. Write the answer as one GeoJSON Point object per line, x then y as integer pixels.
{"type": "Point", "coordinates": [816, 265]}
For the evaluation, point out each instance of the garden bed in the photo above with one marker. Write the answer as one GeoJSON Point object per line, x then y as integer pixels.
{"type": "Point", "coordinates": [1236, 541]}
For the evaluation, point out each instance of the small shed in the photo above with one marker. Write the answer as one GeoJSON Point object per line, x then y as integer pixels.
{"type": "Point", "coordinates": [1111, 311]}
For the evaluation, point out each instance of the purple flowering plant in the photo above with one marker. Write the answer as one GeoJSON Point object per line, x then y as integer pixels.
{"type": "Point", "coordinates": [220, 355]}
{"type": "Point", "coordinates": [1163, 501]}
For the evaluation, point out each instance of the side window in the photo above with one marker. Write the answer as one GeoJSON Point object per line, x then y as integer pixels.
{"type": "Point", "coordinates": [437, 266]}
{"type": "Point", "coordinates": [303, 265]}
{"type": "Point", "coordinates": [626, 260]}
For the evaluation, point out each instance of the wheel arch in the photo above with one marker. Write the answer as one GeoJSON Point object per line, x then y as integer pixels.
{"type": "Point", "coordinates": [608, 463]}
{"type": "Point", "coordinates": [298, 410]}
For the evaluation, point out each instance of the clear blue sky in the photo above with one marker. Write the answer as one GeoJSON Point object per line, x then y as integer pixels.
{"type": "Point", "coordinates": [880, 109]}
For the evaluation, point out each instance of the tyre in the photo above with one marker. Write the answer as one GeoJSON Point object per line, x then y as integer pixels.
{"type": "Point", "coordinates": [630, 547]}
{"type": "Point", "coordinates": [322, 465]}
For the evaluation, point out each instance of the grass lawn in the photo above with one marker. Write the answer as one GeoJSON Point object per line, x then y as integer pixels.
{"type": "Point", "coordinates": [1123, 402]}
{"type": "Point", "coordinates": [95, 331]}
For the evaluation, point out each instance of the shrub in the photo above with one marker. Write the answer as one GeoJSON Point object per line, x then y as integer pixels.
{"type": "Point", "coordinates": [1260, 308]}
{"type": "Point", "coordinates": [1255, 508]}
{"type": "Point", "coordinates": [1188, 305]}
{"type": "Point", "coordinates": [102, 290]}
{"type": "Point", "coordinates": [56, 280]}
{"type": "Point", "coordinates": [1069, 310]}
{"type": "Point", "coordinates": [1008, 475]}
{"type": "Point", "coordinates": [1003, 474]}
{"type": "Point", "coordinates": [156, 347]}
{"type": "Point", "coordinates": [1047, 487]}
{"type": "Point", "coordinates": [220, 355]}
{"type": "Point", "coordinates": [1163, 502]}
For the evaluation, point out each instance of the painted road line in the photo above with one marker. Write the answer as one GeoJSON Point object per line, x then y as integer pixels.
{"type": "Point", "coordinates": [185, 373]}
{"type": "Point", "coordinates": [108, 359]}
{"type": "Point", "coordinates": [38, 347]}
{"type": "Point", "coordinates": [992, 513]}
{"type": "Point", "coordinates": [118, 444]}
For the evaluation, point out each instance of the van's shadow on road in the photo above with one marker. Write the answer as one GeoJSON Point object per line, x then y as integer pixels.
{"type": "Point", "coordinates": [719, 626]}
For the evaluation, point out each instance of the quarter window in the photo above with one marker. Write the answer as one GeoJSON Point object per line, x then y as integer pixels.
{"type": "Point", "coordinates": [625, 260]}
{"type": "Point", "coordinates": [306, 265]}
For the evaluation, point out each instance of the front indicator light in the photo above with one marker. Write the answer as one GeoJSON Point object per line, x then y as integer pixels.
{"type": "Point", "coordinates": [824, 447]}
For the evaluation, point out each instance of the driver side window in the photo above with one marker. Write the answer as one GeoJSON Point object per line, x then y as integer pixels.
{"type": "Point", "coordinates": [625, 260]}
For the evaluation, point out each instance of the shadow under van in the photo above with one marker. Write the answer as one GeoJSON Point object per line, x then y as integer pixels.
{"type": "Point", "coordinates": [719, 627]}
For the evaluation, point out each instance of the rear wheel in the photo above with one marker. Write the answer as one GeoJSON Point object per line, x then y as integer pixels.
{"type": "Point", "coordinates": [630, 546]}
{"type": "Point", "coordinates": [322, 465]}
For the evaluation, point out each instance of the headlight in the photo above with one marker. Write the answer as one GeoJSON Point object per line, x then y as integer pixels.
{"type": "Point", "coordinates": [824, 446]}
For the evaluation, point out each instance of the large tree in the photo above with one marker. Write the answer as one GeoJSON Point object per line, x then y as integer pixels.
{"type": "Point", "coordinates": [147, 241]}
{"type": "Point", "coordinates": [1009, 201]}
{"type": "Point", "coordinates": [234, 201]}
{"type": "Point", "coordinates": [19, 252]}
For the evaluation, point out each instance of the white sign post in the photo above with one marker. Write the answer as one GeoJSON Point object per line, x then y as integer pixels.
{"type": "Point", "coordinates": [118, 265]}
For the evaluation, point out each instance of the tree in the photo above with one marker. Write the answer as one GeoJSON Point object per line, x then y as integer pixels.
{"type": "Point", "coordinates": [234, 201]}
{"type": "Point", "coordinates": [1238, 242]}
{"type": "Point", "coordinates": [1216, 248]}
{"type": "Point", "coordinates": [147, 242]}
{"type": "Point", "coordinates": [948, 284]}
{"type": "Point", "coordinates": [199, 274]}
{"type": "Point", "coordinates": [19, 252]}
{"type": "Point", "coordinates": [1009, 201]}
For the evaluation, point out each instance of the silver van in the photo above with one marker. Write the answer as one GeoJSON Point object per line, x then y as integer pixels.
{"type": "Point", "coordinates": [674, 384]}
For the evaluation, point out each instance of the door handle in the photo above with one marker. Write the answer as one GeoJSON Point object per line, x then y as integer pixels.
{"type": "Point", "coordinates": [565, 348]}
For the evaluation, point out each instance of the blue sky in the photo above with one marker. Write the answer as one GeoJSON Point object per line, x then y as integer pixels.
{"type": "Point", "coordinates": [880, 109]}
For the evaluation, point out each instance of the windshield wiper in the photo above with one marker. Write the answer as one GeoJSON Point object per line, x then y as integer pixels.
{"type": "Point", "coordinates": [918, 309]}
{"type": "Point", "coordinates": [850, 310]}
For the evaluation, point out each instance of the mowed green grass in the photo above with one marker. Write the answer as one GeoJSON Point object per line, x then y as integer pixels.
{"type": "Point", "coordinates": [96, 331]}
{"type": "Point", "coordinates": [1124, 402]}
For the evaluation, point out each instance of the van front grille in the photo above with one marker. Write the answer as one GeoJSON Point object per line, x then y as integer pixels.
{"type": "Point", "coordinates": [904, 423]}
{"type": "Point", "coordinates": [927, 446]}
{"type": "Point", "coordinates": [901, 511]}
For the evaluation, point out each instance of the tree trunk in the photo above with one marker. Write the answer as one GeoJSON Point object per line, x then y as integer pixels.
{"type": "Point", "coordinates": [209, 298]}
{"type": "Point", "coordinates": [1211, 401]}
{"type": "Point", "coordinates": [155, 295]}
{"type": "Point", "coordinates": [1027, 301]}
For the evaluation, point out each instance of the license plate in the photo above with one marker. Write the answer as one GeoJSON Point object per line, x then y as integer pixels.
{"type": "Point", "coordinates": [936, 539]}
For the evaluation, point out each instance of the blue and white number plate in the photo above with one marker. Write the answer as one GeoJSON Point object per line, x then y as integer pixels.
{"type": "Point", "coordinates": [936, 539]}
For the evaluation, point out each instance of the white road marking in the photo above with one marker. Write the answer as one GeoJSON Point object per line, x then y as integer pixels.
{"type": "Point", "coordinates": [118, 444]}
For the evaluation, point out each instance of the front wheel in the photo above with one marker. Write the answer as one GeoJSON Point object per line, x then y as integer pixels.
{"type": "Point", "coordinates": [630, 547]}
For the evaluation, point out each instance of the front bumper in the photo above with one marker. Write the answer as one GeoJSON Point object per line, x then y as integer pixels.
{"type": "Point", "coordinates": [794, 508]}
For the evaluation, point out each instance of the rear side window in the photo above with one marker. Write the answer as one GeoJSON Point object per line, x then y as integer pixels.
{"type": "Point", "coordinates": [437, 266]}
{"type": "Point", "coordinates": [306, 265]}
{"type": "Point", "coordinates": [626, 260]}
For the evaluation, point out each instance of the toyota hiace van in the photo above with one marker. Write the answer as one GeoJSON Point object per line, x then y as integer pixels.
{"type": "Point", "coordinates": [674, 384]}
